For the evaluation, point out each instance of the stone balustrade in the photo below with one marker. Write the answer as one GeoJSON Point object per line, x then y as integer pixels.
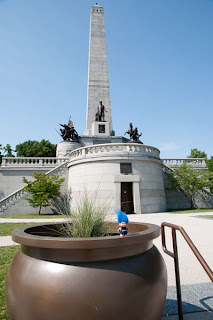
{"type": "Point", "coordinates": [113, 150]}
{"type": "Point", "coordinates": [32, 162]}
{"type": "Point", "coordinates": [100, 149]}
{"type": "Point", "coordinates": [194, 162]}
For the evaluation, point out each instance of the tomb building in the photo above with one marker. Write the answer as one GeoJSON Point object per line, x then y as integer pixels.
{"type": "Point", "coordinates": [124, 173]}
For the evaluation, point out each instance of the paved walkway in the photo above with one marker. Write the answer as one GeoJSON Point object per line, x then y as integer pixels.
{"type": "Point", "coordinates": [197, 289]}
{"type": "Point", "coordinates": [191, 316]}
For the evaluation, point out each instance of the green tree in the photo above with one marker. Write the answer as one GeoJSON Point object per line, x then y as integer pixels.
{"type": "Point", "coordinates": [209, 164]}
{"type": "Point", "coordinates": [43, 189]}
{"type": "Point", "coordinates": [195, 153]}
{"type": "Point", "coordinates": [30, 148]}
{"type": "Point", "coordinates": [8, 150]}
{"type": "Point", "coordinates": [189, 181]}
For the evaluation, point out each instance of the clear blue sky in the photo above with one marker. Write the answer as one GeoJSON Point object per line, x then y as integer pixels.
{"type": "Point", "coordinates": [160, 59]}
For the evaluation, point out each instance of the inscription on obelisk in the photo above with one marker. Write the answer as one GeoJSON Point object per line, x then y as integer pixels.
{"type": "Point", "coordinates": [98, 80]}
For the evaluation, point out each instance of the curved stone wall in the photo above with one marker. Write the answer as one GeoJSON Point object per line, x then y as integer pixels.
{"type": "Point", "coordinates": [65, 147]}
{"type": "Point", "coordinates": [97, 169]}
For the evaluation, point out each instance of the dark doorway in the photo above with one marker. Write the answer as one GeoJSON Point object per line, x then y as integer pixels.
{"type": "Point", "coordinates": [126, 197]}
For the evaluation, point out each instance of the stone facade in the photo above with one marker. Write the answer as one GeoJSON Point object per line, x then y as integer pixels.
{"type": "Point", "coordinates": [98, 167]}
{"type": "Point", "coordinates": [12, 195]}
{"type": "Point", "coordinates": [97, 170]}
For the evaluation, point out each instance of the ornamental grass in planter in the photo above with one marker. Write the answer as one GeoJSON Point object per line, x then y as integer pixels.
{"type": "Point", "coordinates": [80, 277]}
{"type": "Point", "coordinates": [88, 219]}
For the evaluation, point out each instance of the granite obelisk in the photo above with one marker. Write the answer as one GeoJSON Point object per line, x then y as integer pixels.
{"type": "Point", "coordinates": [98, 80]}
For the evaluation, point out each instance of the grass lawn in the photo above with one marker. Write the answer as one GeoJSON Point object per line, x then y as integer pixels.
{"type": "Point", "coordinates": [6, 255]}
{"type": "Point", "coordinates": [31, 216]}
{"type": "Point", "coordinates": [191, 210]}
{"type": "Point", "coordinates": [7, 228]}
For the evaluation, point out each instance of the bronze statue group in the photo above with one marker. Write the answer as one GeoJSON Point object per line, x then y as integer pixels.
{"type": "Point", "coordinates": [133, 133]}
{"type": "Point", "coordinates": [68, 133]}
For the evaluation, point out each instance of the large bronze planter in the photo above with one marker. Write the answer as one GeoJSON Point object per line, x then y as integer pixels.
{"type": "Point", "coordinates": [55, 278]}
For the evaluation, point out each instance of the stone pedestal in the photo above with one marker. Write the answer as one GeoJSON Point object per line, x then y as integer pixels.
{"type": "Point", "coordinates": [101, 129]}
{"type": "Point", "coordinates": [65, 147]}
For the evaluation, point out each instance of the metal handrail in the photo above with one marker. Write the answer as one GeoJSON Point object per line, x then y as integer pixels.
{"type": "Point", "coordinates": [174, 255]}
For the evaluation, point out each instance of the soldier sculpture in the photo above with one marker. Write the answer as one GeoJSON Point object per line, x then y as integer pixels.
{"type": "Point", "coordinates": [68, 133]}
{"type": "Point", "coordinates": [133, 134]}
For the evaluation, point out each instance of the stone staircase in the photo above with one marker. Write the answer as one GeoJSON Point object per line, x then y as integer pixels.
{"type": "Point", "coordinates": [203, 198]}
{"type": "Point", "coordinates": [14, 198]}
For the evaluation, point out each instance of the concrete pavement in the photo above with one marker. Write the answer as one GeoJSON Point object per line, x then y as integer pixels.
{"type": "Point", "coordinates": [196, 287]}
{"type": "Point", "coordinates": [207, 315]}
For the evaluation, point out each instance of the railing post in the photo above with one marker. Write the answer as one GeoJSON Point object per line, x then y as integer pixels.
{"type": "Point", "coordinates": [83, 153]}
{"type": "Point", "coordinates": [177, 275]}
{"type": "Point", "coordinates": [174, 255]}
{"type": "Point", "coordinates": [4, 162]}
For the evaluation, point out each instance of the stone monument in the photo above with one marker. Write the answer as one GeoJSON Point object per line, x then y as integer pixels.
{"type": "Point", "coordinates": [98, 80]}
{"type": "Point", "coordinates": [124, 173]}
